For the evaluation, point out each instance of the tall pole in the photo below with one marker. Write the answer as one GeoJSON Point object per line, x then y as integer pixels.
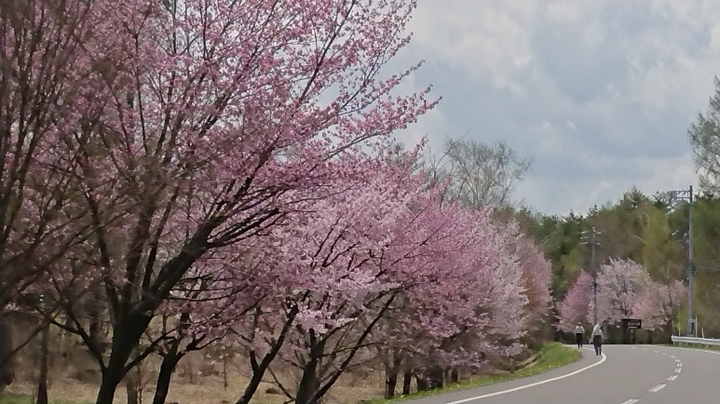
{"type": "Point", "coordinates": [594, 272]}
{"type": "Point", "coordinates": [592, 232]}
{"type": "Point", "coordinates": [691, 320]}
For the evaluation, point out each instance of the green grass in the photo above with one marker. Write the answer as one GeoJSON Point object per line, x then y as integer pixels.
{"type": "Point", "coordinates": [551, 356]}
{"type": "Point", "coordinates": [10, 398]}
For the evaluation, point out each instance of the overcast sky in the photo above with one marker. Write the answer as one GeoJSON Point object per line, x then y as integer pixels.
{"type": "Point", "coordinates": [599, 92]}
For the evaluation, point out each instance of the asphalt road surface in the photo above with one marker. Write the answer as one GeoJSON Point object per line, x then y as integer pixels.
{"type": "Point", "coordinates": [624, 374]}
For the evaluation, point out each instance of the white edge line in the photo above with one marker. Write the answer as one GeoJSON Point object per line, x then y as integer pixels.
{"type": "Point", "coordinates": [527, 386]}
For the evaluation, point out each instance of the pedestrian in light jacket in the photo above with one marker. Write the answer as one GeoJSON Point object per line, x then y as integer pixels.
{"type": "Point", "coordinates": [597, 339]}
{"type": "Point", "coordinates": [579, 335]}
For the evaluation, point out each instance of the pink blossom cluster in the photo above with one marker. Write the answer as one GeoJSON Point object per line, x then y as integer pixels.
{"type": "Point", "coordinates": [205, 172]}
{"type": "Point", "coordinates": [624, 290]}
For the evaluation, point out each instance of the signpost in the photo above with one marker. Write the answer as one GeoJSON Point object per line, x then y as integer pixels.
{"type": "Point", "coordinates": [629, 327]}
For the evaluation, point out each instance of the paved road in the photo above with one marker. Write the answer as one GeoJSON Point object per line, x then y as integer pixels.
{"type": "Point", "coordinates": [625, 374]}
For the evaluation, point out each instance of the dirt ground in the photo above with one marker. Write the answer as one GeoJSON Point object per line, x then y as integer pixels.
{"type": "Point", "coordinates": [207, 390]}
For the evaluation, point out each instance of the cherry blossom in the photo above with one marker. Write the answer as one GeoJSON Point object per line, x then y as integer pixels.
{"type": "Point", "coordinates": [621, 283]}
{"type": "Point", "coordinates": [194, 123]}
{"type": "Point", "coordinates": [659, 304]}
{"type": "Point", "coordinates": [575, 307]}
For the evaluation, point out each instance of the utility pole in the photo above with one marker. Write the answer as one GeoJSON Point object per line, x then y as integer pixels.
{"type": "Point", "coordinates": [687, 195]}
{"type": "Point", "coordinates": [593, 270]}
{"type": "Point", "coordinates": [691, 319]}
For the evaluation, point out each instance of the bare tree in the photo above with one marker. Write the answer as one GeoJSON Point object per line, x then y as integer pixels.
{"type": "Point", "coordinates": [482, 175]}
{"type": "Point", "coordinates": [705, 141]}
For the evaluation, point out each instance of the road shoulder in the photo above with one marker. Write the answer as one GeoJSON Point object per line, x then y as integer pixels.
{"type": "Point", "coordinates": [587, 361]}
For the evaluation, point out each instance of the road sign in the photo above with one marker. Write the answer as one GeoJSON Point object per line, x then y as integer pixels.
{"type": "Point", "coordinates": [632, 323]}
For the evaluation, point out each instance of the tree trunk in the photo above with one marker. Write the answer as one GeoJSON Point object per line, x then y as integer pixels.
{"type": "Point", "coordinates": [108, 385]}
{"type": "Point", "coordinates": [7, 370]}
{"type": "Point", "coordinates": [454, 375]}
{"type": "Point", "coordinates": [126, 336]}
{"type": "Point", "coordinates": [259, 369]}
{"type": "Point", "coordinates": [407, 381]}
{"type": "Point", "coordinates": [390, 383]}
{"type": "Point", "coordinates": [391, 375]}
{"type": "Point", "coordinates": [309, 383]}
{"type": "Point", "coordinates": [131, 386]}
{"type": "Point", "coordinates": [42, 391]}
{"type": "Point", "coordinates": [225, 373]}
{"type": "Point", "coordinates": [422, 384]}
{"type": "Point", "coordinates": [430, 379]}
{"type": "Point", "coordinates": [167, 368]}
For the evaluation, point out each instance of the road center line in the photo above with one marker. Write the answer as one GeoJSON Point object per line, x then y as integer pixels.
{"type": "Point", "coordinates": [673, 377]}
{"type": "Point", "coordinates": [657, 388]}
{"type": "Point", "coordinates": [630, 401]}
{"type": "Point", "coordinates": [527, 386]}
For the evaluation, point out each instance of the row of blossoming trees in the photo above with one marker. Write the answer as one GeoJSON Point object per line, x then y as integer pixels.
{"type": "Point", "coordinates": [624, 290]}
{"type": "Point", "coordinates": [195, 173]}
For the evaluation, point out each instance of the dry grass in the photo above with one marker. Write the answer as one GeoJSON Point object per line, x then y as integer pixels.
{"type": "Point", "coordinates": [74, 377]}
{"type": "Point", "coordinates": [207, 390]}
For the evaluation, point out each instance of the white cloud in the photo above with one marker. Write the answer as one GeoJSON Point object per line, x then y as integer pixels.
{"type": "Point", "coordinates": [600, 92]}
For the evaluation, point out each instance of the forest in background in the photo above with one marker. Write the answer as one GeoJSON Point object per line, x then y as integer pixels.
{"type": "Point", "coordinates": [651, 230]}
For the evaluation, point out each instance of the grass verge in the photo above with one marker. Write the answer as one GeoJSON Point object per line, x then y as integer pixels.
{"type": "Point", "coordinates": [551, 356]}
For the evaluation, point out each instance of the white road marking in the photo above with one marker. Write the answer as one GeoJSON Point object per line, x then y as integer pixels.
{"type": "Point", "coordinates": [671, 378]}
{"type": "Point", "coordinates": [657, 388]}
{"type": "Point", "coordinates": [630, 401]}
{"type": "Point", "coordinates": [678, 370]}
{"type": "Point", "coordinates": [497, 393]}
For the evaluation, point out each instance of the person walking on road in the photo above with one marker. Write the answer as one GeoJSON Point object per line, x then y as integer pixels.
{"type": "Point", "coordinates": [579, 335]}
{"type": "Point", "coordinates": [597, 339]}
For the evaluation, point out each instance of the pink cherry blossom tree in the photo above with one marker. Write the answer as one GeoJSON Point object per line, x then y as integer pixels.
{"type": "Point", "coordinates": [660, 304]}
{"type": "Point", "coordinates": [537, 278]}
{"type": "Point", "coordinates": [472, 311]}
{"type": "Point", "coordinates": [299, 276]}
{"type": "Point", "coordinates": [621, 284]}
{"type": "Point", "coordinates": [42, 68]}
{"type": "Point", "coordinates": [575, 307]}
{"type": "Point", "coordinates": [200, 117]}
{"type": "Point", "coordinates": [341, 282]}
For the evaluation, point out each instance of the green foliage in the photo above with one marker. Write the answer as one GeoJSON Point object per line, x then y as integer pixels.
{"type": "Point", "coordinates": [648, 230]}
